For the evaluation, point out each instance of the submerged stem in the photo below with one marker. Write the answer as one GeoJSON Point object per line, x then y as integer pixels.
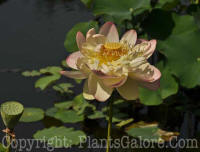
{"type": "Point", "coordinates": [109, 125]}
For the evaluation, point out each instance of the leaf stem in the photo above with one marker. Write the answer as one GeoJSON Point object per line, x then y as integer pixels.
{"type": "Point", "coordinates": [109, 125]}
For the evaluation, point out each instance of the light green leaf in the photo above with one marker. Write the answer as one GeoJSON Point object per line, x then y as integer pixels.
{"type": "Point", "coordinates": [63, 88]}
{"type": "Point", "coordinates": [120, 9]}
{"type": "Point", "coordinates": [45, 81]}
{"type": "Point", "coordinates": [31, 73]}
{"type": "Point", "coordinates": [64, 105]}
{"type": "Point", "coordinates": [70, 42]}
{"type": "Point", "coordinates": [68, 116]}
{"type": "Point", "coordinates": [51, 112]}
{"type": "Point", "coordinates": [32, 115]}
{"type": "Point", "coordinates": [124, 122]}
{"type": "Point", "coordinates": [66, 136]}
{"type": "Point", "coordinates": [51, 70]}
{"type": "Point", "coordinates": [96, 115]}
{"type": "Point", "coordinates": [182, 50]}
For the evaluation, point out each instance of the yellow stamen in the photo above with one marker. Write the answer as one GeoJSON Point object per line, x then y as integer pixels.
{"type": "Point", "coordinates": [111, 52]}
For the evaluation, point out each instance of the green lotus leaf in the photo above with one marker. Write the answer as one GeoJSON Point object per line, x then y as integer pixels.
{"type": "Point", "coordinates": [11, 112]}
{"type": "Point", "coordinates": [68, 116]}
{"type": "Point", "coordinates": [66, 136]}
{"type": "Point", "coordinates": [45, 81]}
{"type": "Point", "coordinates": [182, 50]}
{"type": "Point", "coordinates": [32, 73]}
{"type": "Point", "coordinates": [120, 9]}
{"type": "Point", "coordinates": [32, 115]}
{"type": "Point", "coordinates": [70, 42]}
{"type": "Point", "coordinates": [63, 88]}
{"type": "Point", "coordinates": [51, 70]}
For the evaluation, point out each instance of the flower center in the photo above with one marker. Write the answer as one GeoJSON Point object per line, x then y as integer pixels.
{"type": "Point", "coordinates": [112, 51]}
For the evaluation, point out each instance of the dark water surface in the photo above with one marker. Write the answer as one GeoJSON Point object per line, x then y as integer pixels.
{"type": "Point", "coordinates": [32, 34]}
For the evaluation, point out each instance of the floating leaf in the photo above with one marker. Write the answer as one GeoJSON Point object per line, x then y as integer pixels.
{"type": "Point", "coordinates": [97, 115]}
{"type": "Point", "coordinates": [150, 131]}
{"type": "Point", "coordinates": [70, 42]}
{"type": "Point", "coordinates": [87, 2]}
{"type": "Point", "coordinates": [45, 81]}
{"type": "Point", "coordinates": [80, 104]}
{"type": "Point", "coordinates": [68, 116]}
{"type": "Point", "coordinates": [63, 88]}
{"type": "Point", "coordinates": [31, 73]}
{"type": "Point", "coordinates": [32, 115]}
{"type": "Point", "coordinates": [64, 105]}
{"type": "Point", "coordinates": [51, 70]}
{"type": "Point", "coordinates": [51, 112]}
{"type": "Point", "coordinates": [11, 112]}
{"type": "Point", "coordinates": [124, 122]}
{"type": "Point", "coordinates": [119, 9]}
{"type": "Point", "coordinates": [66, 136]}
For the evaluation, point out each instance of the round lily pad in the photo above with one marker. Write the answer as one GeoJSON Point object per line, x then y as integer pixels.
{"type": "Point", "coordinates": [11, 112]}
{"type": "Point", "coordinates": [32, 115]}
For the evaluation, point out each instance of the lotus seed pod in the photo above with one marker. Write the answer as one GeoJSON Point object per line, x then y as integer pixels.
{"type": "Point", "coordinates": [11, 112]}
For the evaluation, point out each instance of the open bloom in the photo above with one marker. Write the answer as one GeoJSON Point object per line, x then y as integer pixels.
{"type": "Point", "coordinates": [108, 63]}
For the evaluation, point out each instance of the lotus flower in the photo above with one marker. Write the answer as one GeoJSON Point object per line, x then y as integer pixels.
{"type": "Point", "coordinates": [108, 63]}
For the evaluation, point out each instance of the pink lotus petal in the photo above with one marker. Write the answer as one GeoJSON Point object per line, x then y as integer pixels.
{"type": "Point", "coordinates": [105, 28]}
{"type": "Point", "coordinates": [86, 94]}
{"type": "Point", "coordinates": [113, 35]}
{"type": "Point", "coordinates": [130, 36]}
{"type": "Point", "coordinates": [129, 90]}
{"type": "Point", "coordinates": [151, 49]}
{"type": "Point", "coordinates": [154, 84]}
{"type": "Point", "coordinates": [102, 75]}
{"type": "Point", "coordinates": [140, 41]}
{"type": "Point", "coordinates": [90, 33]}
{"type": "Point", "coordinates": [73, 58]}
{"type": "Point", "coordinates": [114, 82]}
{"type": "Point", "coordinates": [74, 74]}
{"type": "Point", "coordinates": [98, 89]}
{"type": "Point", "coordinates": [80, 39]}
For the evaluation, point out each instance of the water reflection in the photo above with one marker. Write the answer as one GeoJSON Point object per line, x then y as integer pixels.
{"type": "Point", "coordinates": [2, 1]}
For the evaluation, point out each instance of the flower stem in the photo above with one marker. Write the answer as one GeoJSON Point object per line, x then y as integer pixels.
{"type": "Point", "coordinates": [109, 125]}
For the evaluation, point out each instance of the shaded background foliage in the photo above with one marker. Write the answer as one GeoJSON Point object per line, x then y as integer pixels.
{"type": "Point", "coordinates": [175, 106]}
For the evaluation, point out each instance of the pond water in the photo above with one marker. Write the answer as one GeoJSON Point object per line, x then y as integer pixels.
{"type": "Point", "coordinates": [32, 34]}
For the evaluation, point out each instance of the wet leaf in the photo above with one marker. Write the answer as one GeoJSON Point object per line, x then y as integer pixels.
{"type": "Point", "coordinates": [70, 42]}
{"type": "Point", "coordinates": [66, 136]}
{"type": "Point", "coordinates": [119, 9]}
{"type": "Point", "coordinates": [63, 88]}
{"type": "Point", "coordinates": [31, 73]}
{"type": "Point", "coordinates": [45, 81]}
{"type": "Point", "coordinates": [32, 115]}
{"type": "Point", "coordinates": [167, 4]}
